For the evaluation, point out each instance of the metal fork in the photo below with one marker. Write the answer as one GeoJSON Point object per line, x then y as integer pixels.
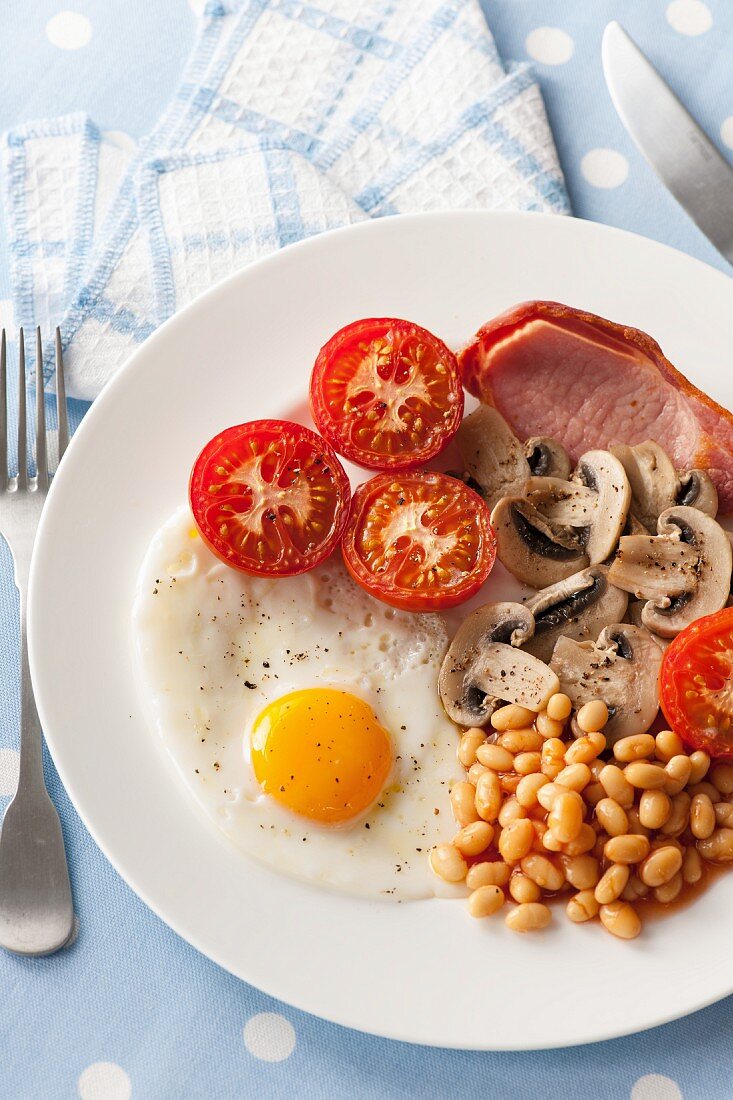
{"type": "Point", "coordinates": [36, 909]}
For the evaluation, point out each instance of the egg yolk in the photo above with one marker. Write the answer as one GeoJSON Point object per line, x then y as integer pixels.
{"type": "Point", "coordinates": [322, 753]}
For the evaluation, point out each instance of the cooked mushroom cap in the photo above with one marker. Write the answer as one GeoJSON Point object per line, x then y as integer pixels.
{"type": "Point", "coordinates": [621, 668]}
{"type": "Point", "coordinates": [659, 568]}
{"type": "Point", "coordinates": [560, 501]}
{"type": "Point", "coordinates": [578, 607]}
{"type": "Point", "coordinates": [484, 667]}
{"type": "Point", "coordinates": [714, 561]}
{"type": "Point", "coordinates": [652, 479]}
{"type": "Point", "coordinates": [633, 615]}
{"type": "Point", "coordinates": [535, 550]}
{"type": "Point", "coordinates": [601, 471]}
{"type": "Point", "coordinates": [547, 457]}
{"type": "Point", "coordinates": [696, 490]}
{"type": "Point", "coordinates": [492, 455]}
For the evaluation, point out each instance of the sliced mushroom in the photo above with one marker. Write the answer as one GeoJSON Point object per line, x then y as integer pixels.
{"type": "Point", "coordinates": [564, 502]}
{"type": "Point", "coordinates": [633, 615]}
{"type": "Point", "coordinates": [652, 478]}
{"type": "Point", "coordinates": [535, 550]}
{"type": "Point", "coordinates": [578, 607]}
{"type": "Point", "coordinates": [547, 457]}
{"type": "Point", "coordinates": [483, 666]}
{"type": "Point", "coordinates": [659, 568]}
{"type": "Point", "coordinates": [621, 668]}
{"type": "Point", "coordinates": [714, 562]}
{"type": "Point", "coordinates": [492, 455]}
{"type": "Point", "coordinates": [696, 490]}
{"type": "Point", "coordinates": [602, 472]}
{"type": "Point", "coordinates": [634, 526]}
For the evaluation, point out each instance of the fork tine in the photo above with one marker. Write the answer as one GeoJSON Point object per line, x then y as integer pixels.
{"type": "Point", "coordinates": [41, 454]}
{"type": "Point", "coordinates": [62, 415]}
{"type": "Point", "coordinates": [22, 437]}
{"type": "Point", "coordinates": [3, 414]}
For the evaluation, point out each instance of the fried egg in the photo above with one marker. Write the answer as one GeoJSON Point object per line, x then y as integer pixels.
{"type": "Point", "coordinates": [301, 714]}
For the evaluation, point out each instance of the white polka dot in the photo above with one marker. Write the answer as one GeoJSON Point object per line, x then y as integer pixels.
{"type": "Point", "coordinates": [604, 167]}
{"type": "Point", "coordinates": [549, 45]}
{"type": "Point", "coordinates": [69, 30]}
{"type": "Point", "coordinates": [655, 1086]}
{"type": "Point", "coordinates": [104, 1081]}
{"type": "Point", "coordinates": [689, 16]}
{"type": "Point", "coordinates": [269, 1036]}
{"type": "Point", "coordinates": [120, 139]}
{"type": "Point", "coordinates": [7, 317]}
{"type": "Point", "coordinates": [9, 768]}
{"type": "Point", "coordinates": [726, 131]}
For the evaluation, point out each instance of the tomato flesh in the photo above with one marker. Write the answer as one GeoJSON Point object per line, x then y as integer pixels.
{"type": "Point", "coordinates": [419, 541]}
{"type": "Point", "coordinates": [696, 684]}
{"type": "Point", "coordinates": [386, 394]}
{"type": "Point", "coordinates": [269, 497]}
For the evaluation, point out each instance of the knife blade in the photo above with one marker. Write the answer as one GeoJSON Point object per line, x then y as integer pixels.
{"type": "Point", "coordinates": [667, 135]}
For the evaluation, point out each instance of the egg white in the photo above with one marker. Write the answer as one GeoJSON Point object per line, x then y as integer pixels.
{"type": "Point", "coordinates": [215, 646]}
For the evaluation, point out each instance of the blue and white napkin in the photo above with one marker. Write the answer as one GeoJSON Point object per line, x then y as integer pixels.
{"type": "Point", "coordinates": [291, 118]}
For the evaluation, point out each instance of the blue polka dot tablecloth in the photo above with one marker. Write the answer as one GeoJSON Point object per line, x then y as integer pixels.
{"type": "Point", "coordinates": [130, 1010]}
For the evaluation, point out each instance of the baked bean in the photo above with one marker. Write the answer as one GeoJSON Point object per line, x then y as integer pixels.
{"type": "Point", "coordinates": [474, 839]}
{"type": "Point", "coordinates": [593, 716]}
{"type": "Point", "coordinates": [718, 848]}
{"type": "Point", "coordinates": [722, 776]}
{"type": "Point", "coordinates": [559, 707]}
{"type": "Point", "coordinates": [540, 828]}
{"type": "Point", "coordinates": [678, 771]}
{"type": "Point", "coordinates": [543, 871]}
{"type": "Point", "coordinates": [634, 889]}
{"type": "Point", "coordinates": [700, 762]}
{"type": "Point", "coordinates": [612, 883]}
{"type": "Point", "coordinates": [512, 717]}
{"type": "Point", "coordinates": [509, 782]}
{"type": "Point", "coordinates": [529, 917]}
{"type": "Point", "coordinates": [660, 866]}
{"type": "Point", "coordinates": [511, 810]}
{"type": "Point", "coordinates": [654, 809]}
{"type": "Point", "coordinates": [639, 746]}
{"type": "Point", "coordinates": [597, 849]}
{"type": "Point", "coordinates": [474, 772]}
{"type": "Point", "coordinates": [582, 872]}
{"type": "Point", "coordinates": [691, 866]}
{"type": "Point", "coordinates": [582, 907]}
{"type": "Point", "coordinates": [525, 763]}
{"type": "Point", "coordinates": [669, 890]}
{"type": "Point", "coordinates": [620, 919]}
{"type": "Point", "coordinates": [629, 848]}
{"type": "Point", "coordinates": [703, 787]}
{"type": "Point", "coordinates": [575, 777]}
{"type": "Point", "coordinates": [485, 901]}
{"type": "Point", "coordinates": [463, 803]}
{"type": "Point", "coordinates": [566, 816]}
{"type": "Point", "coordinates": [521, 740]}
{"type": "Point", "coordinates": [488, 796]}
{"type": "Point", "coordinates": [667, 842]}
{"type": "Point", "coordinates": [495, 757]}
{"type": "Point", "coordinates": [448, 863]}
{"type": "Point", "coordinates": [548, 727]}
{"type": "Point", "coordinates": [645, 776]}
{"type": "Point", "coordinates": [547, 795]}
{"type": "Point", "coordinates": [490, 873]}
{"type": "Point", "coordinates": [724, 814]}
{"type": "Point", "coordinates": [668, 744]}
{"type": "Point", "coordinates": [553, 757]}
{"type": "Point", "coordinates": [679, 816]}
{"type": "Point", "coordinates": [469, 743]}
{"type": "Point", "coordinates": [612, 817]}
{"type": "Point", "coordinates": [586, 749]}
{"type": "Point", "coordinates": [552, 843]}
{"type": "Point", "coordinates": [596, 767]}
{"type": "Point", "coordinates": [635, 825]}
{"type": "Point", "coordinates": [529, 787]}
{"type": "Point", "coordinates": [702, 817]}
{"type": "Point", "coordinates": [617, 786]}
{"type": "Point", "coordinates": [594, 793]}
{"type": "Point", "coordinates": [523, 889]}
{"type": "Point", "coordinates": [516, 840]}
{"type": "Point", "coordinates": [584, 841]}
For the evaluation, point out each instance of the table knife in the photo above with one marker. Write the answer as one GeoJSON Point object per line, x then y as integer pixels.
{"type": "Point", "coordinates": [681, 154]}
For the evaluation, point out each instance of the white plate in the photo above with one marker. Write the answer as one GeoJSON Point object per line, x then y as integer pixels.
{"type": "Point", "coordinates": [421, 971]}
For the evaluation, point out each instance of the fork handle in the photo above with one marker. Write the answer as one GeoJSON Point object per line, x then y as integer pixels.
{"type": "Point", "coordinates": [31, 737]}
